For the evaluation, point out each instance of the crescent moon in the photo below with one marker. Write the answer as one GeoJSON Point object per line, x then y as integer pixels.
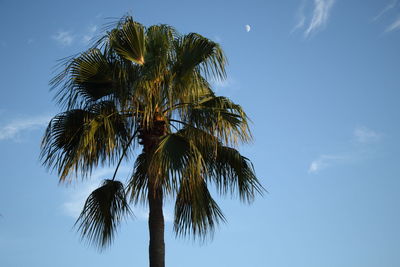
{"type": "Point", "coordinates": [248, 28]}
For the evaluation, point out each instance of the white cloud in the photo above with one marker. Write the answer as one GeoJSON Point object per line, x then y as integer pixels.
{"type": "Point", "coordinates": [15, 128]}
{"type": "Point", "coordinates": [67, 38]}
{"type": "Point", "coordinates": [389, 7]}
{"type": "Point", "coordinates": [317, 19]}
{"type": "Point", "coordinates": [323, 162]}
{"type": "Point", "coordinates": [320, 15]}
{"type": "Point", "coordinates": [217, 39]}
{"type": "Point", "coordinates": [301, 17]}
{"type": "Point", "coordinates": [226, 87]}
{"type": "Point", "coordinates": [394, 26]}
{"type": "Point", "coordinates": [86, 39]}
{"type": "Point", "coordinates": [300, 23]}
{"type": "Point", "coordinates": [64, 38]}
{"type": "Point", "coordinates": [218, 84]}
{"type": "Point", "coordinates": [90, 34]}
{"type": "Point", "coordinates": [364, 135]}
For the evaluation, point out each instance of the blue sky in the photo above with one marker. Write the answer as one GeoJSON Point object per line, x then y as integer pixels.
{"type": "Point", "coordinates": [320, 81]}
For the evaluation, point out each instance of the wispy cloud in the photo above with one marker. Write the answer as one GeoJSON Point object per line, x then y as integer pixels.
{"type": "Point", "coordinates": [67, 38]}
{"type": "Point", "coordinates": [64, 38]}
{"type": "Point", "coordinates": [320, 15]}
{"type": "Point", "coordinates": [226, 86]}
{"type": "Point", "coordinates": [325, 161]}
{"type": "Point", "coordinates": [217, 39]}
{"type": "Point", "coordinates": [387, 8]}
{"type": "Point", "coordinates": [88, 36]}
{"type": "Point", "coordinates": [13, 129]}
{"type": "Point", "coordinates": [317, 19]}
{"type": "Point", "coordinates": [218, 84]}
{"type": "Point", "coordinates": [363, 136]}
{"type": "Point", "coordinates": [301, 17]}
{"type": "Point", "coordinates": [394, 26]}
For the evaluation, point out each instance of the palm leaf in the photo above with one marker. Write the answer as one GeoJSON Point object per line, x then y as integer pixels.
{"type": "Point", "coordinates": [235, 174]}
{"type": "Point", "coordinates": [196, 59]}
{"type": "Point", "coordinates": [197, 52]}
{"type": "Point", "coordinates": [225, 166]}
{"type": "Point", "coordinates": [78, 140]}
{"type": "Point", "coordinates": [128, 41]}
{"type": "Point", "coordinates": [222, 117]}
{"type": "Point", "coordinates": [91, 76]}
{"type": "Point", "coordinates": [196, 212]}
{"type": "Point", "coordinates": [102, 213]}
{"type": "Point", "coordinates": [174, 158]}
{"type": "Point", "coordinates": [138, 183]}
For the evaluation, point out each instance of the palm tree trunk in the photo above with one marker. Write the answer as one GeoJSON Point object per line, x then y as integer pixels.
{"type": "Point", "coordinates": [156, 227]}
{"type": "Point", "coordinates": [150, 139]}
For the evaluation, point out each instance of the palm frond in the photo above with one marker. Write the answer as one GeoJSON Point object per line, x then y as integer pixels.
{"type": "Point", "coordinates": [188, 89]}
{"type": "Point", "coordinates": [78, 140]}
{"type": "Point", "coordinates": [91, 76]}
{"type": "Point", "coordinates": [138, 183]}
{"type": "Point", "coordinates": [159, 45]}
{"type": "Point", "coordinates": [196, 60]}
{"type": "Point", "coordinates": [225, 166]}
{"type": "Point", "coordinates": [102, 213]}
{"type": "Point", "coordinates": [129, 41]}
{"type": "Point", "coordinates": [174, 158]}
{"type": "Point", "coordinates": [197, 52]}
{"type": "Point", "coordinates": [222, 117]}
{"type": "Point", "coordinates": [235, 174]}
{"type": "Point", "coordinates": [196, 212]}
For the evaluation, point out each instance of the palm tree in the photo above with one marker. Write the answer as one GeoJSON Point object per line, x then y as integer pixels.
{"type": "Point", "coordinates": [148, 87]}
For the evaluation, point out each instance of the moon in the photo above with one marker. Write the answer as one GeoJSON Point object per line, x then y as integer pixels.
{"type": "Point", "coordinates": [247, 27]}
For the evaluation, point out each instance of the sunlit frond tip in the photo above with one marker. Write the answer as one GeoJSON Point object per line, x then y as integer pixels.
{"type": "Point", "coordinates": [102, 213]}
